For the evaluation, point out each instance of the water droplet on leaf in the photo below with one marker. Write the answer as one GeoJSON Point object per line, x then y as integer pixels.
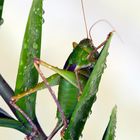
{"type": "Point", "coordinates": [43, 11]}
{"type": "Point", "coordinates": [81, 135]}
{"type": "Point", "coordinates": [1, 21]}
{"type": "Point", "coordinates": [105, 66]}
{"type": "Point", "coordinates": [90, 112]}
{"type": "Point", "coordinates": [25, 67]}
{"type": "Point", "coordinates": [35, 45]}
{"type": "Point", "coordinates": [43, 20]}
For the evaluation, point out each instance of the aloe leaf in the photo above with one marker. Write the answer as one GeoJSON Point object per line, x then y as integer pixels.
{"type": "Point", "coordinates": [27, 76]}
{"type": "Point", "coordinates": [1, 10]}
{"type": "Point", "coordinates": [7, 121]}
{"type": "Point", "coordinates": [4, 114]}
{"type": "Point", "coordinates": [6, 93]}
{"type": "Point", "coordinates": [110, 130]}
{"type": "Point", "coordinates": [11, 123]}
{"type": "Point", "coordinates": [88, 97]}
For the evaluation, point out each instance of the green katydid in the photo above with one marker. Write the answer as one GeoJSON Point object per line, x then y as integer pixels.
{"type": "Point", "coordinates": [69, 92]}
{"type": "Point", "coordinates": [73, 78]}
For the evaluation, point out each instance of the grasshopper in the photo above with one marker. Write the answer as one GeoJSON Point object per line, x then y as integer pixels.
{"type": "Point", "coordinates": [71, 80]}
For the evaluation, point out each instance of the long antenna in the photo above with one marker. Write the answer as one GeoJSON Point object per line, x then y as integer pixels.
{"type": "Point", "coordinates": [98, 21]}
{"type": "Point", "coordinates": [105, 21]}
{"type": "Point", "coordinates": [84, 16]}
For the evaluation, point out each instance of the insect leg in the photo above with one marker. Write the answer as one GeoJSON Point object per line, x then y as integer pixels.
{"type": "Point", "coordinates": [55, 130]}
{"type": "Point", "coordinates": [67, 75]}
{"type": "Point", "coordinates": [53, 80]}
{"type": "Point", "coordinates": [37, 63]}
{"type": "Point", "coordinates": [34, 127]}
{"type": "Point", "coordinates": [78, 81]}
{"type": "Point", "coordinates": [102, 44]}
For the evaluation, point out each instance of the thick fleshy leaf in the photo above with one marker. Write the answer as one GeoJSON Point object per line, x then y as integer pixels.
{"type": "Point", "coordinates": [4, 114]}
{"type": "Point", "coordinates": [6, 93]}
{"type": "Point", "coordinates": [11, 123]}
{"type": "Point", "coordinates": [88, 97]}
{"type": "Point", "coordinates": [1, 10]}
{"type": "Point", "coordinates": [7, 121]}
{"type": "Point", "coordinates": [27, 76]}
{"type": "Point", "coordinates": [110, 130]}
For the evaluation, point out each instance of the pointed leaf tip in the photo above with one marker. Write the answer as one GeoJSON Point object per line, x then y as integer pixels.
{"type": "Point", "coordinates": [27, 76]}
{"type": "Point", "coordinates": [110, 130]}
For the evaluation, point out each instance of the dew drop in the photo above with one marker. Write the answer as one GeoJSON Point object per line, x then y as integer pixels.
{"type": "Point", "coordinates": [35, 45]}
{"type": "Point", "coordinates": [1, 21]}
{"type": "Point", "coordinates": [38, 9]}
{"type": "Point", "coordinates": [43, 11]}
{"type": "Point", "coordinates": [81, 135]}
{"type": "Point", "coordinates": [27, 40]}
{"type": "Point", "coordinates": [21, 63]}
{"type": "Point", "coordinates": [25, 45]}
{"type": "Point", "coordinates": [20, 73]}
{"type": "Point", "coordinates": [36, 30]}
{"type": "Point", "coordinates": [25, 67]}
{"type": "Point", "coordinates": [35, 12]}
{"type": "Point", "coordinates": [90, 112]}
{"type": "Point", "coordinates": [42, 20]}
{"type": "Point", "coordinates": [102, 66]}
{"type": "Point", "coordinates": [26, 88]}
{"type": "Point", "coordinates": [83, 120]}
{"type": "Point", "coordinates": [105, 66]}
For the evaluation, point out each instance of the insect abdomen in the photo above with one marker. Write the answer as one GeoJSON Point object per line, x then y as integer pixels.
{"type": "Point", "coordinates": [68, 97]}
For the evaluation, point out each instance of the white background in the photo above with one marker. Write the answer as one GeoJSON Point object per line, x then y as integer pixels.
{"type": "Point", "coordinates": [63, 25]}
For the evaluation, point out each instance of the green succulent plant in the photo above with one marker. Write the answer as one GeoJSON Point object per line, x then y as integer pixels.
{"type": "Point", "coordinates": [27, 78]}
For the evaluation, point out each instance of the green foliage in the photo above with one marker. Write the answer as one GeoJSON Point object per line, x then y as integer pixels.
{"type": "Point", "coordinates": [110, 130]}
{"type": "Point", "coordinates": [7, 121]}
{"type": "Point", "coordinates": [27, 78]}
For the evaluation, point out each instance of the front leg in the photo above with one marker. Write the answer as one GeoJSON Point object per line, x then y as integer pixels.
{"type": "Point", "coordinates": [78, 81]}
{"type": "Point", "coordinates": [90, 56]}
{"type": "Point", "coordinates": [38, 62]}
